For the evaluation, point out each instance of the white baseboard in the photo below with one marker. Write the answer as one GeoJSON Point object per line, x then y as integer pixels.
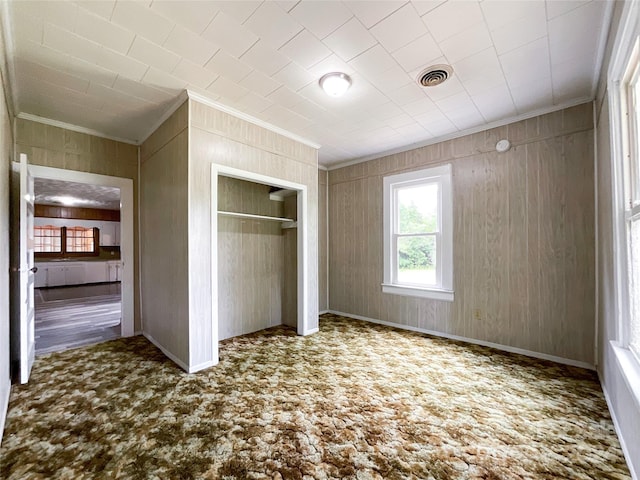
{"type": "Point", "coordinates": [497, 346]}
{"type": "Point", "coordinates": [324, 311]}
{"type": "Point", "coordinates": [311, 331]}
{"type": "Point", "coordinates": [5, 392]}
{"type": "Point", "coordinates": [176, 360]}
{"type": "Point", "coordinates": [170, 355]}
{"type": "Point", "coordinates": [616, 425]}
{"type": "Point", "coordinates": [137, 332]}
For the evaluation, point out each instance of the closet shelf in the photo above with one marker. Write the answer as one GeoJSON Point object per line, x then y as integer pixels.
{"type": "Point", "coordinates": [255, 217]}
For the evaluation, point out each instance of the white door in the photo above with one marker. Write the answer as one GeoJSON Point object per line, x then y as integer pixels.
{"type": "Point", "coordinates": [26, 272]}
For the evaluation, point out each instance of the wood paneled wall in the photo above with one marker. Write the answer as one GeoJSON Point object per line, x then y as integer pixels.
{"type": "Point", "coordinates": [250, 259]}
{"type": "Point", "coordinates": [323, 205]}
{"type": "Point", "coordinates": [523, 237]}
{"type": "Point", "coordinates": [290, 292]}
{"type": "Point", "coordinates": [217, 137]}
{"type": "Point", "coordinates": [164, 229]}
{"type": "Point", "coordinates": [56, 147]}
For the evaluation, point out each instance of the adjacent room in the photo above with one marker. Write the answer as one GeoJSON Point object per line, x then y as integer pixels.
{"type": "Point", "coordinates": [319, 239]}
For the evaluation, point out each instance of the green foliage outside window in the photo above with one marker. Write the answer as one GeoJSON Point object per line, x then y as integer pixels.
{"type": "Point", "coordinates": [416, 253]}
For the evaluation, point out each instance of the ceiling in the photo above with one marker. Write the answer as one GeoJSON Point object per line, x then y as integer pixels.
{"type": "Point", "coordinates": [116, 66]}
{"type": "Point", "coordinates": [59, 192]}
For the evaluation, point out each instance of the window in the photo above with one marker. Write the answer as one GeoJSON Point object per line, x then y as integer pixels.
{"type": "Point", "coordinates": [51, 241]}
{"type": "Point", "coordinates": [418, 234]}
{"type": "Point", "coordinates": [47, 239]}
{"type": "Point", "coordinates": [630, 99]}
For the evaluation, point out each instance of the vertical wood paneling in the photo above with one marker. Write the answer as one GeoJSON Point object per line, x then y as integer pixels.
{"type": "Point", "coordinates": [323, 247]}
{"type": "Point", "coordinates": [523, 237]}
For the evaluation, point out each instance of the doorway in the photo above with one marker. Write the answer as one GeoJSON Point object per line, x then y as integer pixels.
{"type": "Point", "coordinates": [84, 283]}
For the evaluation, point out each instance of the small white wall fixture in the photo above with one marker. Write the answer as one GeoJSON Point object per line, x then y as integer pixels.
{"type": "Point", "coordinates": [303, 282]}
{"type": "Point", "coordinates": [126, 229]}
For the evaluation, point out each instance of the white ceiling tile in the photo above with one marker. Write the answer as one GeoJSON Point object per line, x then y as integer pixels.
{"type": "Point", "coordinates": [576, 33]}
{"type": "Point", "coordinates": [451, 18]}
{"type": "Point", "coordinates": [371, 12]}
{"type": "Point", "coordinates": [459, 101]}
{"type": "Point", "coordinates": [194, 74]}
{"type": "Point", "coordinates": [305, 49]}
{"type": "Point", "coordinates": [350, 40]}
{"type": "Point", "coordinates": [287, 5]}
{"type": "Point", "coordinates": [230, 66]}
{"type": "Point", "coordinates": [104, 8]}
{"type": "Point", "coordinates": [69, 43]}
{"type": "Point", "coordinates": [321, 18]}
{"type": "Point", "coordinates": [31, 28]}
{"type": "Point", "coordinates": [400, 28]}
{"type": "Point", "coordinates": [41, 54]}
{"type": "Point", "coordinates": [228, 89]}
{"type": "Point", "coordinates": [91, 71]}
{"type": "Point", "coordinates": [464, 118]}
{"type": "Point", "coordinates": [531, 96]}
{"type": "Point", "coordinates": [520, 32]}
{"type": "Point", "coordinates": [420, 107]}
{"type": "Point", "coordinates": [308, 109]}
{"type": "Point", "coordinates": [495, 104]}
{"type": "Point", "coordinates": [294, 76]}
{"type": "Point", "coordinates": [373, 62]}
{"type": "Point", "coordinates": [477, 65]}
{"type": "Point", "coordinates": [451, 87]}
{"type": "Point", "coordinates": [253, 103]}
{"type": "Point", "coordinates": [330, 64]}
{"type": "Point", "coordinates": [285, 96]}
{"type": "Point", "coordinates": [139, 90]}
{"type": "Point", "coordinates": [151, 54]}
{"type": "Point", "coordinates": [64, 15]}
{"type": "Point", "coordinates": [260, 83]}
{"type": "Point", "coordinates": [417, 54]}
{"type": "Point", "coordinates": [556, 8]}
{"type": "Point", "coordinates": [265, 58]}
{"type": "Point", "coordinates": [499, 13]}
{"type": "Point", "coordinates": [229, 34]}
{"type": "Point", "coordinates": [391, 79]}
{"type": "Point", "coordinates": [194, 15]}
{"type": "Point", "coordinates": [464, 44]}
{"type": "Point", "coordinates": [436, 123]}
{"type": "Point", "coordinates": [121, 64]}
{"type": "Point", "coordinates": [408, 94]}
{"type": "Point", "coordinates": [572, 79]}
{"type": "Point", "coordinates": [139, 18]}
{"type": "Point", "coordinates": [273, 25]}
{"type": "Point", "coordinates": [401, 120]}
{"type": "Point", "coordinates": [240, 11]}
{"type": "Point", "coordinates": [188, 45]}
{"type": "Point", "coordinates": [56, 77]}
{"type": "Point", "coordinates": [163, 80]}
{"type": "Point", "coordinates": [102, 31]}
{"type": "Point", "coordinates": [116, 98]}
{"type": "Point", "coordinates": [425, 6]}
{"type": "Point", "coordinates": [527, 62]}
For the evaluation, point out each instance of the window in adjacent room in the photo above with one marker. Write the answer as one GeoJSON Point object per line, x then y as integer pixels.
{"type": "Point", "coordinates": [80, 239]}
{"type": "Point", "coordinates": [418, 234]}
{"type": "Point", "coordinates": [57, 242]}
{"type": "Point", "coordinates": [47, 239]}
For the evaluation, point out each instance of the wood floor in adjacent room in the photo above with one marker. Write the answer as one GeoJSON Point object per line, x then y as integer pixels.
{"type": "Point", "coordinates": [354, 401]}
{"type": "Point", "coordinates": [70, 317]}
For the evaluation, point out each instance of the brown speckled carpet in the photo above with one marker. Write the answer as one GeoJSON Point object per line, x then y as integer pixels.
{"type": "Point", "coordinates": [356, 401]}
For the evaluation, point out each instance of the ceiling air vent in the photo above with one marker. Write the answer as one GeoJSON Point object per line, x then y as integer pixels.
{"type": "Point", "coordinates": [434, 75]}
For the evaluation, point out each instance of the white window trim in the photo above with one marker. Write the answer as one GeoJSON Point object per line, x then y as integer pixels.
{"type": "Point", "coordinates": [626, 41]}
{"type": "Point", "coordinates": [444, 291]}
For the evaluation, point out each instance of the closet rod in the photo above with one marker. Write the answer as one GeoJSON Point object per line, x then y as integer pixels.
{"type": "Point", "coordinates": [255, 217]}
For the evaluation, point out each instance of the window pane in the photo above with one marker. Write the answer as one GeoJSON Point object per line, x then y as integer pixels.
{"type": "Point", "coordinates": [418, 209]}
{"type": "Point", "coordinates": [80, 239]}
{"type": "Point", "coordinates": [417, 260]}
{"type": "Point", "coordinates": [47, 239]}
{"type": "Point", "coordinates": [634, 247]}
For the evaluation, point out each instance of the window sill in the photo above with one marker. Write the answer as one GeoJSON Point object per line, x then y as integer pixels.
{"type": "Point", "coordinates": [630, 369]}
{"type": "Point", "coordinates": [432, 293]}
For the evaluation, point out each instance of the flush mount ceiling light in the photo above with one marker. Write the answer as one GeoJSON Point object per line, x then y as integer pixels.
{"type": "Point", "coordinates": [434, 75]}
{"type": "Point", "coordinates": [335, 84]}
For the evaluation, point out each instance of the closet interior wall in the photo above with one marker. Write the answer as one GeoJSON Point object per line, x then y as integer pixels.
{"type": "Point", "coordinates": [251, 260]}
{"type": "Point", "coordinates": [290, 235]}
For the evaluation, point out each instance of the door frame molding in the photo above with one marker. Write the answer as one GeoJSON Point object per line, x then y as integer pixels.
{"type": "Point", "coordinates": [127, 253]}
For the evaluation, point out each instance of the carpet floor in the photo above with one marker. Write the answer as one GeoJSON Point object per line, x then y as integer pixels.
{"type": "Point", "coordinates": [356, 401]}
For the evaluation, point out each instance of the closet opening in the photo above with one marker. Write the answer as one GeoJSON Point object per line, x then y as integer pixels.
{"type": "Point", "coordinates": [259, 253]}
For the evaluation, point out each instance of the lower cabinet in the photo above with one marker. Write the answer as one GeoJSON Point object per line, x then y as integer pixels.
{"type": "Point", "coordinates": [52, 274]}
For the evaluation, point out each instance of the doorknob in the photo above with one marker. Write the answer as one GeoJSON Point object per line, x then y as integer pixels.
{"type": "Point", "coordinates": [34, 269]}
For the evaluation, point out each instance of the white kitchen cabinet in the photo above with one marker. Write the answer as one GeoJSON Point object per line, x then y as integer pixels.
{"type": "Point", "coordinates": [114, 271]}
{"type": "Point", "coordinates": [109, 234]}
{"type": "Point", "coordinates": [74, 274]}
{"type": "Point", "coordinates": [95, 272]}
{"type": "Point", "coordinates": [40, 277]}
{"type": "Point", "coordinates": [55, 274]}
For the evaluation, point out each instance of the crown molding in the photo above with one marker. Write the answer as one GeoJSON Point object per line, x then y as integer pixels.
{"type": "Point", "coordinates": [322, 167]}
{"type": "Point", "coordinates": [72, 127]}
{"type": "Point", "coordinates": [175, 105]}
{"type": "Point", "coordinates": [602, 46]}
{"type": "Point", "coordinates": [251, 119]}
{"type": "Point", "coordinates": [463, 133]}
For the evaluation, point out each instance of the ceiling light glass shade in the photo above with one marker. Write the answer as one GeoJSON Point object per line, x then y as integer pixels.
{"type": "Point", "coordinates": [335, 84]}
